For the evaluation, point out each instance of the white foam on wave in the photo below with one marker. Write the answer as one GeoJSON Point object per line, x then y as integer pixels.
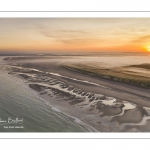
{"type": "Point", "coordinates": [56, 109]}
{"type": "Point", "coordinates": [78, 121]}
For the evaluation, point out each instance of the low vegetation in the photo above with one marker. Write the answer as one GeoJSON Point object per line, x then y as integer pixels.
{"type": "Point", "coordinates": [110, 74]}
{"type": "Point", "coordinates": [144, 66]}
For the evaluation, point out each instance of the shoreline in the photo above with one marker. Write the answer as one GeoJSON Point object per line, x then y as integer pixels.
{"type": "Point", "coordinates": [76, 120]}
{"type": "Point", "coordinates": [56, 109]}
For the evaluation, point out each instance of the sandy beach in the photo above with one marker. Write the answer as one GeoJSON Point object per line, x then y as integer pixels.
{"type": "Point", "coordinates": [104, 104]}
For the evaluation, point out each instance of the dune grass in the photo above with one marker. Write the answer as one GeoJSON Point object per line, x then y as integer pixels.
{"type": "Point", "coordinates": [117, 74]}
{"type": "Point", "coordinates": [144, 66]}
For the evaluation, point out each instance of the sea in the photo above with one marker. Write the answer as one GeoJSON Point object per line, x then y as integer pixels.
{"type": "Point", "coordinates": [21, 110]}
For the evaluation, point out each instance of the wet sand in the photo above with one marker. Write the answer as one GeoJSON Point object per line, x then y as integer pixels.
{"type": "Point", "coordinates": [107, 106]}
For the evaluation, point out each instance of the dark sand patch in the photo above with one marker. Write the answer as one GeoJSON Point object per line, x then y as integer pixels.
{"type": "Point", "coordinates": [130, 116]}
{"type": "Point", "coordinates": [75, 101]}
{"type": "Point", "coordinates": [144, 66]}
{"type": "Point", "coordinates": [24, 76]}
{"type": "Point", "coordinates": [36, 87]}
{"type": "Point", "coordinates": [109, 110]}
{"type": "Point", "coordinates": [137, 128]}
{"type": "Point", "coordinates": [44, 92]}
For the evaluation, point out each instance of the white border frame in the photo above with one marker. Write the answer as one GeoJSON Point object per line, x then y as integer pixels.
{"type": "Point", "coordinates": [89, 14]}
{"type": "Point", "coordinates": [73, 14]}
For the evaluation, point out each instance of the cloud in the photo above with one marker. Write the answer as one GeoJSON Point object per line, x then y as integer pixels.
{"type": "Point", "coordinates": [141, 39]}
{"type": "Point", "coordinates": [70, 36]}
{"type": "Point", "coordinates": [73, 31]}
{"type": "Point", "coordinates": [80, 41]}
{"type": "Point", "coordinates": [63, 33]}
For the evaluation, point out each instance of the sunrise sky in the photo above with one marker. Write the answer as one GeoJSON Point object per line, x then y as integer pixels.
{"type": "Point", "coordinates": [75, 35]}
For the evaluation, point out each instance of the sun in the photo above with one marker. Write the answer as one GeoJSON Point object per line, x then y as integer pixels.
{"type": "Point", "coordinates": [148, 48]}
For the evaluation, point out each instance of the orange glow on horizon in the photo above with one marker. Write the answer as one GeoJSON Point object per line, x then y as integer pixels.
{"type": "Point", "coordinates": [148, 48]}
{"type": "Point", "coordinates": [75, 35]}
